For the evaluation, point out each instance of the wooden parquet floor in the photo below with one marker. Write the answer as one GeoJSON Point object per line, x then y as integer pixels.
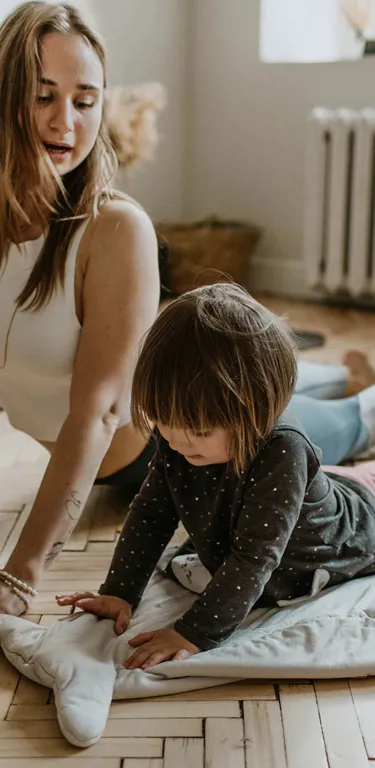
{"type": "Point", "coordinates": [324, 724]}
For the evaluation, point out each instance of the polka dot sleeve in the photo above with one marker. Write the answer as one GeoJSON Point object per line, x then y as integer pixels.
{"type": "Point", "coordinates": [148, 528]}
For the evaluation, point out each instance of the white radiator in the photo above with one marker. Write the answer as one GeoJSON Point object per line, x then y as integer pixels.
{"type": "Point", "coordinates": [339, 227]}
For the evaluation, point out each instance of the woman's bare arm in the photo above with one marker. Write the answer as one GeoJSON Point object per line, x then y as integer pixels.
{"type": "Point", "coordinates": [120, 299]}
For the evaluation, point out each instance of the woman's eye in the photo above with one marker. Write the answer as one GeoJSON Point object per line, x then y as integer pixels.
{"type": "Point", "coordinates": [78, 104]}
{"type": "Point", "coordinates": [85, 104]}
{"type": "Point", "coordinates": [202, 434]}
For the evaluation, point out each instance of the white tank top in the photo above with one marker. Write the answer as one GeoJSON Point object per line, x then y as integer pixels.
{"type": "Point", "coordinates": [37, 348]}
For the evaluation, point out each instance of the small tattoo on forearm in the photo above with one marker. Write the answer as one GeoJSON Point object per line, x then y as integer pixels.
{"type": "Point", "coordinates": [57, 547]}
{"type": "Point", "coordinates": [73, 506]}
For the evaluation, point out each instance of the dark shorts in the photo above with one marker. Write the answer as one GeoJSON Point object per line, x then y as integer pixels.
{"type": "Point", "coordinates": [133, 475]}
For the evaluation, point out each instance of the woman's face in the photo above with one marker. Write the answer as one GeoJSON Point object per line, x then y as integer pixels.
{"type": "Point", "coordinates": [70, 100]}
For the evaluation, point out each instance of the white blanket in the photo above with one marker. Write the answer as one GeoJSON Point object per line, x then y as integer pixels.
{"type": "Point", "coordinates": [81, 658]}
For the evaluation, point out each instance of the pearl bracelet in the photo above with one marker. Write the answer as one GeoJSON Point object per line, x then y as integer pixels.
{"type": "Point", "coordinates": [17, 583]}
{"type": "Point", "coordinates": [18, 592]}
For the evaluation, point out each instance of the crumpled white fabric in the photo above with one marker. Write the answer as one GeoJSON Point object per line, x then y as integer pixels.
{"type": "Point", "coordinates": [331, 634]}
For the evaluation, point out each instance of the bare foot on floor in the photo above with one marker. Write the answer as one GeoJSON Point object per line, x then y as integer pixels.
{"type": "Point", "coordinates": [361, 374]}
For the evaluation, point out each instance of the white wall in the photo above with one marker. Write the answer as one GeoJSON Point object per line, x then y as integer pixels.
{"type": "Point", "coordinates": [147, 41]}
{"type": "Point", "coordinates": [6, 7]}
{"type": "Point", "coordinates": [299, 30]}
{"type": "Point", "coordinates": [234, 128]}
{"type": "Point", "coordinates": [314, 30]}
{"type": "Point", "coordinates": [247, 130]}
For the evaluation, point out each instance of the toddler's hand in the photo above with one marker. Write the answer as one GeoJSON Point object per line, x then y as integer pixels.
{"type": "Point", "coordinates": [106, 606]}
{"type": "Point", "coordinates": [157, 646]}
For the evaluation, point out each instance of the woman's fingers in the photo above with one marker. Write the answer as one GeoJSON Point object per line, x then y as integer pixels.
{"type": "Point", "coordinates": [10, 603]}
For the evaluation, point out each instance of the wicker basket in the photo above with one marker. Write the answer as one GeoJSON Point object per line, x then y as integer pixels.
{"type": "Point", "coordinates": [207, 251]}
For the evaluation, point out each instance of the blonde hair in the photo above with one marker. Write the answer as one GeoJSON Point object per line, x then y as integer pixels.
{"type": "Point", "coordinates": [25, 173]}
{"type": "Point", "coordinates": [215, 357]}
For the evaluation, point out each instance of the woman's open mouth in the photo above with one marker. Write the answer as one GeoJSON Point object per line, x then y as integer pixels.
{"type": "Point", "coordinates": [58, 152]}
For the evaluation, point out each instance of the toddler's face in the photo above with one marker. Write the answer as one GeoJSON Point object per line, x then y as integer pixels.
{"type": "Point", "coordinates": [199, 449]}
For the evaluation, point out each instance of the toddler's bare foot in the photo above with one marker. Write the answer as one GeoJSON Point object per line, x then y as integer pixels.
{"type": "Point", "coordinates": [361, 374]}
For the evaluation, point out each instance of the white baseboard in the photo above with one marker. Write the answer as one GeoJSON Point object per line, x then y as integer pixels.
{"type": "Point", "coordinates": [287, 278]}
{"type": "Point", "coordinates": [282, 277]}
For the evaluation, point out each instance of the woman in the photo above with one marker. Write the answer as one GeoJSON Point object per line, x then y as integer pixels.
{"type": "Point", "coordinates": [79, 281]}
{"type": "Point", "coordinates": [79, 284]}
{"type": "Point", "coordinates": [340, 425]}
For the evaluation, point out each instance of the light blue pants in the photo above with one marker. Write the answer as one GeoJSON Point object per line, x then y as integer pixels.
{"type": "Point", "coordinates": [333, 422]}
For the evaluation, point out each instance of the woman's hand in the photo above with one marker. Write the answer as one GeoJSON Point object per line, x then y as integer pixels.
{"type": "Point", "coordinates": [160, 645]}
{"type": "Point", "coordinates": [101, 605]}
{"type": "Point", "coordinates": [10, 603]}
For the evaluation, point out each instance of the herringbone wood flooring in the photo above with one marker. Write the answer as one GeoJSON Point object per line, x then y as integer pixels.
{"type": "Point", "coordinates": [258, 725]}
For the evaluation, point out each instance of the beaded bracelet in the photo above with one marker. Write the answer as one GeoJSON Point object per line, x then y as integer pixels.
{"type": "Point", "coordinates": [20, 585]}
{"type": "Point", "coordinates": [18, 592]}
